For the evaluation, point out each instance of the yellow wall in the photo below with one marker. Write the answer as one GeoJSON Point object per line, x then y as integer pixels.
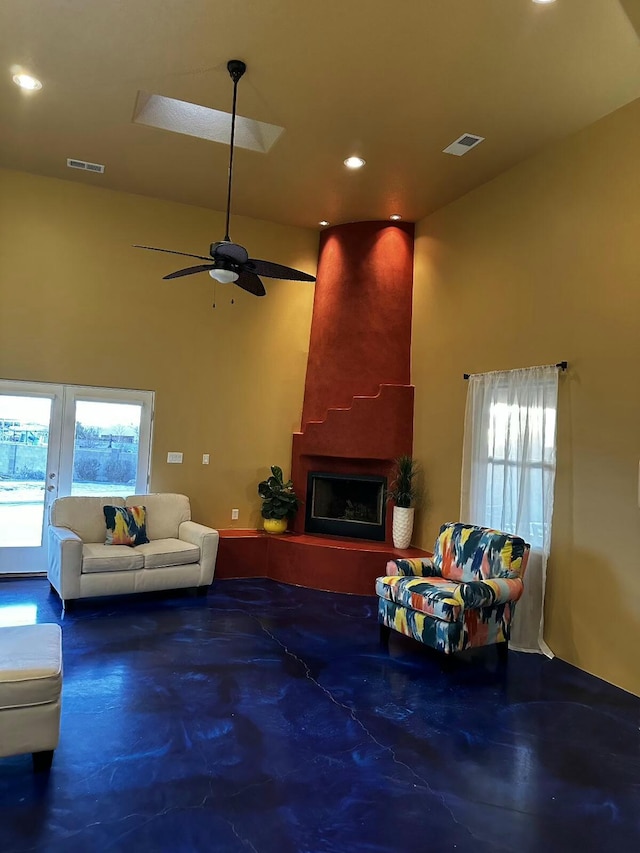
{"type": "Point", "coordinates": [79, 305]}
{"type": "Point", "coordinates": [540, 265]}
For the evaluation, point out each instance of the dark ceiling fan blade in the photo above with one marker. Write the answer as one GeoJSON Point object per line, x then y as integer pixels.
{"type": "Point", "coordinates": [271, 270]}
{"type": "Point", "coordinates": [251, 283]}
{"type": "Point", "coordinates": [172, 252]}
{"type": "Point", "coordinates": [189, 271]}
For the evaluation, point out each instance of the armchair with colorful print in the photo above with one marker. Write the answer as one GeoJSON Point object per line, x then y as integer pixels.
{"type": "Point", "coordinates": [464, 596]}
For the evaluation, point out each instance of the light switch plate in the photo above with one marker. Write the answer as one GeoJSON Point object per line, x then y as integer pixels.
{"type": "Point", "coordinates": [235, 513]}
{"type": "Point", "coordinates": [174, 458]}
{"type": "Point", "coordinates": [205, 458]}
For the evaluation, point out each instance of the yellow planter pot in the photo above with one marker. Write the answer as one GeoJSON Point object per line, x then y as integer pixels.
{"type": "Point", "coordinates": [275, 525]}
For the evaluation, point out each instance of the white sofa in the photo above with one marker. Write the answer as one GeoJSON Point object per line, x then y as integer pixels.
{"type": "Point", "coordinates": [180, 553]}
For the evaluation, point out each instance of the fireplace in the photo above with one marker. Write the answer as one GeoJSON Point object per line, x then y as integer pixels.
{"type": "Point", "coordinates": [346, 505]}
{"type": "Point", "coordinates": [357, 414]}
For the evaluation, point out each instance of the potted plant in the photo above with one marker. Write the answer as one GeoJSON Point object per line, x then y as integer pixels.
{"type": "Point", "coordinates": [404, 493]}
{"type": "Point", "coordinates": [279, 501]}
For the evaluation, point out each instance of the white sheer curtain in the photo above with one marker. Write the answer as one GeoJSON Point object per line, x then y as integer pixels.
{"type": "Point", "coordinates": [508, 474]}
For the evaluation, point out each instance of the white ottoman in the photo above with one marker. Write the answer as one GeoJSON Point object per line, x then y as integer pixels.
{"type": "Point", "coordinates": [30, 687]}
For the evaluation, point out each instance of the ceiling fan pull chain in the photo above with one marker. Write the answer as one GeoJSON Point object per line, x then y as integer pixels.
{"type": "Point", "coordinates": [214, 293]}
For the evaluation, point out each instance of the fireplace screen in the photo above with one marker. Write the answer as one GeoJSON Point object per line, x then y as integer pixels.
{"type": "Point", "coordinates": [346, 505]}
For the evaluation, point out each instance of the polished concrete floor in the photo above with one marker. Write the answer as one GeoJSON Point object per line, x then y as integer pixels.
{"type": "Point", "coordinates": [265, 717]}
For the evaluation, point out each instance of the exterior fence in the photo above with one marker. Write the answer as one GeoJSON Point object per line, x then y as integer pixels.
{"type": "Point", "coordinates": [91, 465]}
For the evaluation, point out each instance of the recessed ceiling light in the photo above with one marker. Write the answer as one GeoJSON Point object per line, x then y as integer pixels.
{"type": "Point", "coordinates": [395, 217]}
{"type": "Point", "coordinates": [544, 1]}
{"type": "Point", "coordinates": [323, 223]}
{"type": "Point", "coordinates": [26, 81]}
{"type": "Point", "coordinates": [354, 162]}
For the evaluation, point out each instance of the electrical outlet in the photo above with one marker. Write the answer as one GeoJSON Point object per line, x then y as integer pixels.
{"type": "Point", "coordinates": [235, 514]}
{"type": "Point", "coordinates": [205, 458]}
{"type": "Point", "coordinates": [174, 458]}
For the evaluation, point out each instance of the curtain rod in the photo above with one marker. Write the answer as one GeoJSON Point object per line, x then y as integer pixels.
{"type": "Point", "coordinates": [561, 365]}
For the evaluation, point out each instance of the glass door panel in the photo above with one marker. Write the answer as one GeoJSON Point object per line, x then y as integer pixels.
{"type": "Point", "coordinates": [105, 448]}
{"type": "Point", "coordinates": [29, 449]}
{"type": "Point", "coordinates": [24, 444]}
{"type": "Point", "coordinates": [60, 440]}
{"type": "Point", "coordinates": [106, 442]}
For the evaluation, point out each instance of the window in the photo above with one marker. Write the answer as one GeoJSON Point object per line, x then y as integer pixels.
{"type": "Point", "coordinates": [508, 474]}
{"type": "Point", "coordinates": [517, 474]}
{"type": "Point", "coordinates": [510, 451]}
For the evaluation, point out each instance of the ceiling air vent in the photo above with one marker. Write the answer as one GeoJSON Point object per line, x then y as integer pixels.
{"type": "Point", "coordinates": [463, 144]}
{"type": "Point", "coordinates": [87, 167]}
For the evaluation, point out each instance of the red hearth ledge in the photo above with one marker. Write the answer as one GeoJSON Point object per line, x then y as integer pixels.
{"type": "Point", "coordinates": [316, 562]}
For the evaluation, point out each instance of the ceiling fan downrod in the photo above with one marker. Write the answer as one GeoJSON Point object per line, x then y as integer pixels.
{"type": "Point", "coordinates": [229, 262]}
{"type": "Point", "coordinates": [236, 68]}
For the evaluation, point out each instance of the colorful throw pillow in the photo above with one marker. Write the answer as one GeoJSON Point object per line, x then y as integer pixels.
{"type": "Point", "coordinates": [126, 525]}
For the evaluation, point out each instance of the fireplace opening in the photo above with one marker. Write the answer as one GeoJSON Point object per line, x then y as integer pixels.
{"type": "Point", "coordinates": [346, 505]}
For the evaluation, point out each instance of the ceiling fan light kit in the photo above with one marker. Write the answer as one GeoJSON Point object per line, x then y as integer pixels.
{"type": "Point", "coordinates": [224, 276]}
{"type": "Point", "coordinates": [229, 262]}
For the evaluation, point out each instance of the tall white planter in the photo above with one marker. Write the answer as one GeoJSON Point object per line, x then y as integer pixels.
{"type": "Point", "coordinates": [402, 526]}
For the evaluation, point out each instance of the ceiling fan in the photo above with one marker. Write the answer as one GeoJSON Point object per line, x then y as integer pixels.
{"type": "Point", "coordinates": [229, 262]}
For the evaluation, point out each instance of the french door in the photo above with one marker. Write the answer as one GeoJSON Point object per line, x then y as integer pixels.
{"type": "Point", "coordinates": [58, 440]}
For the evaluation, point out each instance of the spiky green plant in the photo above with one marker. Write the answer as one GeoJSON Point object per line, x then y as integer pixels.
{"type": "Point", "coordinates": [404, 490]}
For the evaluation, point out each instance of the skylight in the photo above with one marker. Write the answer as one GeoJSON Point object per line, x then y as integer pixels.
{"type": "Point", "coordinates": [203, 122]}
